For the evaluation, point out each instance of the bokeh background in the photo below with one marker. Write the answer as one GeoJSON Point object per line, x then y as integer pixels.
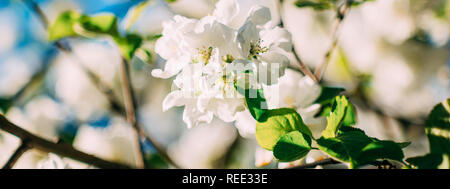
{"type": "Point", "coordinates": [393, 58]}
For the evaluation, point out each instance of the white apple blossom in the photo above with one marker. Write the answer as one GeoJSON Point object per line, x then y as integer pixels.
{"type": "Point", "coordinates": [265, 47]}
{"type": "Point", "coordinates": [208, 57]}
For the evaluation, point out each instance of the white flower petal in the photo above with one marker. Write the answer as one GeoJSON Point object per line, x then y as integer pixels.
{"type": "Point", "coordinates": [174, 98]}
{"type": "Point", "coordinates": [310, 92]}
{"type": "Point", "coordinates": [226, 109]}
{"type": "Point", "coordinates": [245, 124]}
{"type": "Point", "coordinates": [172, 67]}
{"type": "Point", "coordinates": [259, 15]}
{"type": "Point", "coordinates": [192, 117]}
{"type": "Point", "coordinates": [278, 38]}
{"type": "Point", "coordinates": [226, 11]}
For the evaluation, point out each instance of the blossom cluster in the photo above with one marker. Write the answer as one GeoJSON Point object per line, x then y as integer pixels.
{"type": "Point", "coordinates": [210, 56]}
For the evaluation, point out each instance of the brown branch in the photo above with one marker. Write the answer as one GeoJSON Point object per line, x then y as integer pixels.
{"type": "Point", "coordinates": [303, 68]}
{"type": "Point", "coordinates": [340, 15]}
{"type": "Point", "coordinates": [130, 107]}
{"type": "Point", "coordinates": [116, 106]}
{"type": "Point", "coordinates": [328, 161]}
{"type": "Point", "coordinates": [16, 155]}
{"type": "Point", "coordinates": [62, 149]}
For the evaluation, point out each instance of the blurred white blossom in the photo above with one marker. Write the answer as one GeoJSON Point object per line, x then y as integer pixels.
{"type": "Point", "coordinates": [116, 142]}
{"type": "Point", "coordinates": [146, 19]}
{"type": "Point", "coordinates": [202, 146]}
{"type": "Point", "coordinates": [53, 161]}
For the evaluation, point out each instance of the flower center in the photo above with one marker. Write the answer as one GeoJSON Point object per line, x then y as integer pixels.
{"type": "Point", "coordinates": [203, 55]}
{"type": "Point", "coordinates": [256, 49]}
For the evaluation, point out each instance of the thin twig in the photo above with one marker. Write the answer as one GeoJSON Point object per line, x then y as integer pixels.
{"type": "Point", "coordinates": [132, 115]}
{"type": "Point", "coordinates": [16, 155]}
{"type": "Point", "coordinates": [340, 15]}
{"type": "Point", "coordinates": [303, 68]}
{"type": "Point", "coordinates": [130, 107]}
{"type": "Point", "coordinates": [328, 161]}
{"type": "Point", "coordinates": [114, 102]}
{"type": "Point", "coordinates": [62, 149]}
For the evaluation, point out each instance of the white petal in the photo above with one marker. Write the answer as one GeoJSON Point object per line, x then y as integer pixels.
{"type": "Point", "coordinates": [277, 37]}
{"type": "Point", "coordinates": [310, 91]}
{"type": "Point", "coordinates": [192, 117]}
{"type": "Point", "coordinates": [308, 114]}
{"type": "Point", "coordinates": [172, 67]}
{"type": "Point", "coordinates": [225, 109]}
{"type": "Point", "coordinates": [259, 15]}
{"type": "Point", "coordinates": [174, 98]}
{"type": "Point", "coordinates": [202, 104]}
{"type": "Point", "coordinates": [247, 34]}
{"type": "Point", "coordinates": [272, 67]}
{"type": "Point", "coordinates": [226, 11]}
{"type": "Point", "coordinates": [210, 33]}
{"type": "Point", "coordinates": [245, 124]}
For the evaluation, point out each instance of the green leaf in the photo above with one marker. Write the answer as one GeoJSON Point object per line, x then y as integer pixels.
{"type": "Point", "coordinates": [354, 146]}
{"type": "Point", "coordinates": [438, 128]}
{"type": "Point", "coordinates": [359, 2]}
{"type": "Point", "coordinates": [325, 4]}
{"type": "Point", "coordinates": [5, 104]}
{"type": "Point", "coordinates": [326, 99]}
{"type": "Point", "coordinates": [438, 132]}
{"type": "Point", "coordinates": [292, 146]}
{"type": "Point", "coordinates": [348, 129]}
{"type": "Point", "coordinates": [101, 24]}
{"type": "Point", "coordinates": [276, 123]}
{"type": "Point", "coordinates": [256, 103]}
{"type": "Point", "coordinates": [153, 37]}
{"type": "Point", "coordinates": [430, 161]}
{"type": "Point", "coordinates": [346, 147]}
{"type": "Point", "coordinates": [334, 121]}
{"type": "Point", "coordinates": [128, 44]}
{"type": "Point", "coordinates": [144, 54]}
{"type": "Point", "coordinates": [350, 116]}
{"type": "Point", "coordinates": [328, 94]}
{"type": "Point", "coordinates": [403, 144]}
{"type": "Point", "coordinates": [155, 161]}
{"type": "Point", "coordinates": [316, 5]}
{"type": "Point", "coordinates": [380, 150]}
{"type": "Point", "coordinates": [63, 25]}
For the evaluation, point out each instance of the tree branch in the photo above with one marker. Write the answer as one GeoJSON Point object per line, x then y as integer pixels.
{"type": "Point", "coordinates": [328, 161]}
{"type": "Point", "coordinates": [32, 141]}
{"type": "Point", "coordinates": [340, 15]}
{"type": "Point", "coordinates": [130, 107]}
{"type": "Point", "coordinates": [16, 155]}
